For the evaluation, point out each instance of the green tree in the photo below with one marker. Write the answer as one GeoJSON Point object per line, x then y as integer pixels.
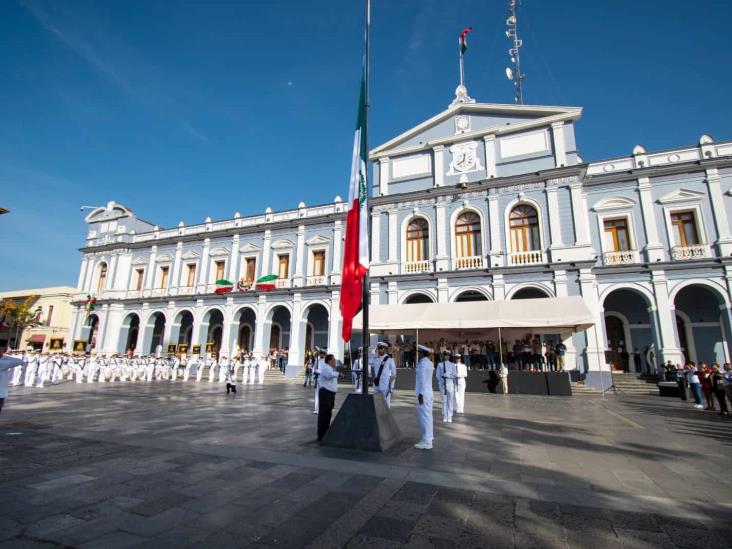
{"type": "Point", "coordinates": [21, 314]}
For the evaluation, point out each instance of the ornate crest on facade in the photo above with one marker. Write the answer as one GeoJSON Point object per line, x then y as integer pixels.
{"type": "Point", "coordinates": [464, 158]}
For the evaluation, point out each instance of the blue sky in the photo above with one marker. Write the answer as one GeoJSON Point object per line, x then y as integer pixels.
{"type": "Point", "coordinates": [183, 110]}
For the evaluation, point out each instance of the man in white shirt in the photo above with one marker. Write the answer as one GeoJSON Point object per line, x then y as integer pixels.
{"type": "Point", "coordinates": [446, 374]}
{"type": "Point", "coordinates": [6, 364]}
{"type": "Point", "coordinates": [318, 363]}
{"type": "Point", "coordinates": [19, 371]}
{"type": "Point", "coordinates": [462, 376]}
{"type": "Point", "coordinates": [423, 392]}
{"type": "Point", "coordinates": [383, 372]}
{"type": "Point", "coordinates": [356, 369]}
{"type": "Point", "coordinates": [328, 381]}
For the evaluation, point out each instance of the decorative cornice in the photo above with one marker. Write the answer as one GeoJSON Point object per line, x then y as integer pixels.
{"type": "Point", "coordinates": [681, 196]}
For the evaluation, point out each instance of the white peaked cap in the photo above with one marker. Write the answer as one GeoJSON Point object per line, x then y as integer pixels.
{"type": "Point", "coordinates": [383, 344]}
{"type": "Point", "coordinates": [423, 348]}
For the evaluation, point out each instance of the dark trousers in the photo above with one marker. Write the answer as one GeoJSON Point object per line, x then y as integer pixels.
{"type": "Point", "coordinates": [326, 401]}
{"type": "Point", "coordinates": [2, 401]}
{"type": "Point", "coordinates": [719, 393]}
{"type": "Point", "coordinates": [230, 387]}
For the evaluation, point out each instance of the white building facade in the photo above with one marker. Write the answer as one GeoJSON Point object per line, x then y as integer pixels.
{"type": "Point", "coordinates": [482, 201]}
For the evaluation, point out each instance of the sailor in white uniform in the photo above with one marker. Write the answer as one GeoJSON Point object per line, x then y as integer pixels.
{"type": "Point", "coordinates": [423, 392]}
{"type": "Point", "coordinates": [446, 374]}
{"type": "Point", "coordinates": [224, 365]}
{"type": "Point", "coordinates": [19, 371]}
{"type": "Point", "coordinates": [261, 365]}
{"type": "Point", "coordinates": [252, 369]}
{"type": "Point", "coordinates": [462, 376]}
{"type": "Point", "coordinates": [356, 370]}
{"type": "Point", "coordinates": [383, 372]}
{"type": "Point", "coordinates": [213, 368]}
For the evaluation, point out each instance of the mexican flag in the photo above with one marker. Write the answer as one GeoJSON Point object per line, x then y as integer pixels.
{"type": "Point", "coordinates": [464, 40]}
{"type": "Point", "coordinates": [223, 286]}
{"type": "Point", "coordinates": [266, 282]}
{"type": "Point", "coordinates": [356, 251]}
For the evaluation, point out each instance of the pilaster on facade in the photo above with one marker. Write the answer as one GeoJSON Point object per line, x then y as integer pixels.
{"type": "Point", "coordinates": [204, 266]}
{"type": "Point", "coordinates": [560, 283]}
{"type": "Point", "coordinates": [442, 258]}
{"type": "Point", "coordinates": [150, 272]}
{"type": "Point", "coordinates": [499, 287]}
{"type": "Point", "coordinates": [384, 176]}
{"type": "Point", "coordinates": [375, 237]}
{"type": "Point", "coordinates": [375, 293]}
{"type": "Point", "coordinates": [489, 145]}
{"type": "Point", "coordinates": [266, 251]}
{"type": "Point", "coordinates": [595, 350]}
{"type": "Point", "coordinates": [234, 259]}
{"type": "Point", "coordinates": [721, 221]}
{"type": "Point", "coordinates": [176, 274]}
{"type": "Point", "coordinates": [335, 273]}
{"type": "Point", "coordinates": [663, 316]}
{"type": "Point", "coordinates": [443, 295]}
{"type": "Point", "coordinates": [438, 155]}
{"type": "Point", "coordinates": [392, 292]}
{"type": "Point", "coordinates": [560, 150]}
{"type": "Point", "coordinates": [654, 249]}
{"type": "Point", "coordinates": [300, 260]}
{"type": "Point", "coordinates": [555, 230]}
{"type": "Point", "coordinates": [496, 256]}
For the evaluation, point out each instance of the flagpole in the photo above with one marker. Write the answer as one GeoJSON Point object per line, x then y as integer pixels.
{"type": "Point", "coordinates": [366, 295]}
{"type": "Point", "coordinates": [462, 65]}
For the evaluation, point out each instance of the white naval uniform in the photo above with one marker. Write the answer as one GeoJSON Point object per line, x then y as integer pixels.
{"type": "Point", "coordinates": [446, 374]}
{"type": "Point", "coordinates": [384, 386]}
{"type": "Point", "coordinates": [462, 375]}
{"type": "Point", "coordinates": [19, 371]}
{"type": "Point", "coordinates": [211, 370]}
{"type": "Point", "coordinates": [189, 367]}
{"type": "Point", "coordinates": [199, 371]}
{"type": "Point", "coordinates": [260, 371]}
{"type": "Point", "coordinates": [252, 370]}
{"type": "Point", "coordinates": [6, 364]}
{"type": "Point", "coordinates": [30, 371]}
{"type": "Point", "coordinates": [423, 386]}
{"type": "Point", "coordinates": [223, 370]}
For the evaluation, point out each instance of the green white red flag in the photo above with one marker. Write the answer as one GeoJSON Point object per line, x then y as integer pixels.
{"type": "Point", "coordinates": [223, 286]}
{"type": "Point", "coordinates": [266, 282]}
{"type": "Point", "coordinates": [464, 39]}
{"type": "Point", "coordinates": [356, 250]}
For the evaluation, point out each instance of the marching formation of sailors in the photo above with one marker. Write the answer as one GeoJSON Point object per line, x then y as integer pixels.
{"type": "Point", "coordinates": [36, 369]}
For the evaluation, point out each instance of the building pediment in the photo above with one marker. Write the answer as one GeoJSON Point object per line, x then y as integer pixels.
{"type": "Point", "coordinates": [282, 244]}
{"type": "Point", "coordinates": [613, 203]}
{"type": "Point", "coordinates": [317, 240]}
{"type": "Point", "coordinates": [164, 258]}
{"type": "Point", "coordinates": [219, 252]}
{"type": "Point", "coordinates": [249, 248]}
{"type": "Point", "coordinates": [111, 211]}
{"type": "Point", "coordinates": [471, 121]}
{"type": "Point", "coordinates": [139, 261]}
{"type": "Point", "coordinates": [680, 196]}
{"type": "Point", "coordinates": [190, 254]}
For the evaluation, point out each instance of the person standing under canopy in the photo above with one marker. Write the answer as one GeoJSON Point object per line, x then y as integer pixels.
{"type": "Point", "coordinates": [423, 392]}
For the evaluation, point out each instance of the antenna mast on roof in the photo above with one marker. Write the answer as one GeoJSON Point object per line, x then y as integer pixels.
{"type": "Point", "coordinates": [514, 73]}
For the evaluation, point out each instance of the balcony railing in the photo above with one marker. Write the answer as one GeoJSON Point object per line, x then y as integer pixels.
{"type": "Point", "coordinates": [133, 294]}
{"type": "Point", "coordinates": [681, 253]}
{"type": "Point", "coordinates": [410, 267]}
{"type": "Point", "coordinates": [472, 262]}
{"type": "Point", "coordinates": [186, 290]}
{"type": "Point", "coordinates": [318, 280]}
{"type": "Point", "coordinates": [282, 283]}
{"type": "Point", "coordinates": [533, 257]}
{"type": "Point", "coordinates": [626, 257]}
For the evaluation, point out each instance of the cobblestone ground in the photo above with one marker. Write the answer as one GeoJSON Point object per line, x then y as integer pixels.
{"type": "Point", "coordinates": [183, 465]}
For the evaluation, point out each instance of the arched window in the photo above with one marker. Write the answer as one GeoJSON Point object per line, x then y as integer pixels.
{"type": "Point", "coordinates": [524, 226]}
{"type": "Point", "coordinates": [467, 235]}
{"type": "Point", "coordinates": [418, 240]}
{"type": "Point", "coordinates": [101, 283]}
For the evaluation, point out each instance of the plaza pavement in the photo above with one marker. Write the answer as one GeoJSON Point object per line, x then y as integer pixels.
{"type": "Point", "coordinates": [183, 465]}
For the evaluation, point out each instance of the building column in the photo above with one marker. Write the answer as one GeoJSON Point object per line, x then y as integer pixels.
{"type": "Point", "coordinates": [499, 287]}
{"type": "Point", "coordinates": [442, 291]}
{"type": "Point", "coordinates": [203, 266]}
{"type": "Point", "coordinates": [489, 145]}
{"type": "Point", "coordinates": [196, 331]}
{"type": "Point", "coordinates": [560, 150]}
{"type": "Point", "coordinates": [168, 330]}
{"type": "Point", "coordinates": [392, 293]}
{"type": "Point", "coordinates": [375, 237]}
{"type": "Point", "coordinates": [384, 176]}
{"type": "Point", "coordinates": [560, 283]}
{"type": "Point", "coordinates": [664, 322]}
{"type": "Point", "coordinates": [88, 275]}
{"type": "Point", "coordinates": [335, 327]}
{"type": "Point", "coordinates": [112, 274]}
{"type": "Point", "coordinates": [438, 154]}
{"type": "Point", "coordinates": [298, 328]}
{"type": "Point", "coordinates": [721, 222]}
{"type": "Point", "coordinates": [229, 331]}
{"type": "Point", "coordinates": [393, 237]}
{"type": "Point", "coordinates": [80, 285]}
{"type": "Point", "coordinates": [101, 343]}
{"type": "Point", "coordinates": [266, 253]}
{"type": "Point", "coordinates": [262, 329]}
{"type": "Point", "coordinates": [496, 255]}
{"type": "Point", "coordinates": [234, 260]}
{"type": "Point", "coordinates": [555, 230]}
{"type": "Point", "coordinates": [653, 249]}
{"type": "Point", "coordinates": [176, 274]}
{"type": "Point", "coordinates": [598, 372]}
{"type": "Point", "coordinates": [297, 279]}
{"type": "Point", "coordinates": [579, 215]}
{"type": "Point", "coordinates": [150, 274]}
{"type": "Point", "coordinates": [442, 257]}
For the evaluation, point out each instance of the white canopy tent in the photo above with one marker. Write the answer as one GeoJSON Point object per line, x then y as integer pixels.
{"type": "Point", "coordinates": [546, 315]}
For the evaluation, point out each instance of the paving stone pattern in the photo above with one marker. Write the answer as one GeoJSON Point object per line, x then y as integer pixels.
{"type": "Point", "coordinates": [183, 465]}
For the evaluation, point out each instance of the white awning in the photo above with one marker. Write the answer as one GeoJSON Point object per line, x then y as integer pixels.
{"type": "Point", "coordinates": [556, 313]}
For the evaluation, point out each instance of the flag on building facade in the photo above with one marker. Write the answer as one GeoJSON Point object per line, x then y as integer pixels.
{"type": "Point", "coordinates": [266, 282]}
{"type": "Point", "coordinates": [356, 254]}
{"type": "Point", "coordinates": [464, 39]}
{"type": "Point", "coordinates": [223, 286]}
